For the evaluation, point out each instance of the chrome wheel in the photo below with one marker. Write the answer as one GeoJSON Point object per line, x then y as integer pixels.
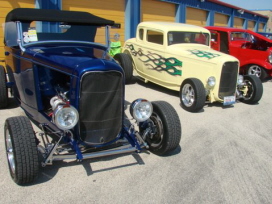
{"type": "Point", "coordinates": [10, 152]}
{"type": "Point", "coordinates": [255, 70]}
{"type": "Point", "coordinates": [188, 95]}
{"type": "Point", "coordinates": [21, 148]}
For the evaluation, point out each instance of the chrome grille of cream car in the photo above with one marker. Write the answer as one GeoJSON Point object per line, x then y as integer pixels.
{"type": "Point", "coordinates": [228, 79]}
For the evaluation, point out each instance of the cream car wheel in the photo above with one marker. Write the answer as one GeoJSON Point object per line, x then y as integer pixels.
{"type": "Point", "coordinates": [188, 95]}
{"type": "Point", "coordinates": [124, 60]}
{"type": "Point", "coordinates": [254, 90]}
{"type": "Point", "coordinates": [192, 95]}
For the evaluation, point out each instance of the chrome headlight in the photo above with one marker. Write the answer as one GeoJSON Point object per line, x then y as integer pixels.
{"type": "Point", "coordinates": [65, 117]}
{"type": "Point", "coordinates": [270, 58]}
{"type": "Point", "coordinates": [240, 80]}
{"type": "Point", "coordinates": [141, 110]}
{"type": "Point", "coordinates": [211, 81]}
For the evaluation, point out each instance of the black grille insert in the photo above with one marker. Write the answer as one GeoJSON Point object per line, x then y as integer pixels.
{"type": "Point", "coordinates": [101, 106]}
{"type": "Point", "coordinates": [228, 79]}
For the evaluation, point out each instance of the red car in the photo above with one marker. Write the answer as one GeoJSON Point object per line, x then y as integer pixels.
{"type": "Point", "coordinates": [253, 50]}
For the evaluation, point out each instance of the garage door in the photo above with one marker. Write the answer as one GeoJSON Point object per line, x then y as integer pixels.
{"type": "Point", "coordinates": [109, 9]}
{"type": "Point", "coordinates": [221, 19]}
{"type": "Point", "coordinates": [238, 23]}
{"type": "Point", "coordinates": [7, 6]}
{"type": "Point", "coordinates": [196, 17]}
{"type": "Point", "coordinates": [251, 25]}
{"type": "Point", "coordinates": [261, 27]}
{"type": "Point", "coordinates": [157, 11]}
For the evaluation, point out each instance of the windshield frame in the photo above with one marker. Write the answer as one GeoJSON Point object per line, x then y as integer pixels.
{"type": "Point", "coordinates": [23, 45]}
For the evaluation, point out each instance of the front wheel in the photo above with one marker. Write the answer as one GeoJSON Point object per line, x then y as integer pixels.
{"type": "Point", "coordinates": [167, 129]}
{"type": "Point", "coordinates": [3, 88]}
{"type": "Point", "coordinates": [252, 90]}
{"type": "Point", "coordinates": [192, 95]}
{"type": "Point", "coordinates": [21, 150]}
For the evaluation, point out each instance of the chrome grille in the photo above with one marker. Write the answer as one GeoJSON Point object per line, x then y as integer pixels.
{"type": "Point", "coordinates": [228, 79]}
{"type": "Point", "coordinates": [101, 106]}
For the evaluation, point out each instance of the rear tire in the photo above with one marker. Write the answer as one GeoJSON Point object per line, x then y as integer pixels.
{"type": "Point", "coordinates": [21, 150]}
{"type": "Point", "coordinates": [168, 129]}
{"type": "Point", "coordinates": [192, 95]}
{"type": "Point", "coordinates": [254, 89]}
{"type": "Point", "coordinates": [3, 88]}
{"type": "Point", "coordinates": [126, 63]}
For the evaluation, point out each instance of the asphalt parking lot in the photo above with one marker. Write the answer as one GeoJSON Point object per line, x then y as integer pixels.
{"type": "Point", "coordinates": [225, 156]}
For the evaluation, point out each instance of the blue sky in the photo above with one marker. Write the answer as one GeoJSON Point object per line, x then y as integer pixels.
{"type": "Point", "coordinates": [251, 4]}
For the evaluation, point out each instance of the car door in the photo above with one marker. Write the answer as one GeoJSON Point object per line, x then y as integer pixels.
{"type": "Point", "coordinates": [215, 40]}
{"type": "Point", "coordinates": [152, 56]}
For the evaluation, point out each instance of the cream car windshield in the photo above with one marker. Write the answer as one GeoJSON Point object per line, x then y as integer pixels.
{"type": "Point", "coordinates": [38, 31]}
{"type": "Point", "coordinates": [176, 37]}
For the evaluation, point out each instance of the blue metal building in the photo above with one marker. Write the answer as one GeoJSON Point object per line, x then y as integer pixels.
{"type": "Point", "coordinates": [215, 11]}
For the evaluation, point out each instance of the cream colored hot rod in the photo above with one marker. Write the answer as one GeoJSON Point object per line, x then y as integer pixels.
{"type": "Point", "coordinates": [179, 57]}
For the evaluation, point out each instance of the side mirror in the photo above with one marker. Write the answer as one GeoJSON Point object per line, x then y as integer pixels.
{"type": "Point", "coordinates": [213, 42]}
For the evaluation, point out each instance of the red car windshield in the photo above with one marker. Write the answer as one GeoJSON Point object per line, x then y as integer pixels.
{"type": "Point", "coordinates": [240, 36]}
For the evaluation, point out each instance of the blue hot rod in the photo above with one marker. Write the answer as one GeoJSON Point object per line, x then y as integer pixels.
{"type": "Point", "coordinates": [58, 69]}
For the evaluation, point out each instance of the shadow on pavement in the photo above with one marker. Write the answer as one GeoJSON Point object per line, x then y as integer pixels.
{"type": "Point", "coordinates": [49, 172]}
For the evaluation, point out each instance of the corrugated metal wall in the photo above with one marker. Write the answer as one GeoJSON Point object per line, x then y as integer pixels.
{"type": "Point", "coordinates": [217, 8]}
{"type": "Point", "coordinates": [221, 19]}
{"type": "Point", "coordinates": [157, 11]}
{"type": "Point", "coordinates": [251, 25]}
{"type": "Point", "coordinates": [261, 27]}
{"type": "Point", "coordinates": [110, 9]}
{"type": "Point", "coordinates": [196, 16]}
{"type": "Point", "coordinates": [238, 23]}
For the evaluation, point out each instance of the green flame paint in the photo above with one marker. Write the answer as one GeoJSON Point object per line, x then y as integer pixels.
{"type": "Point", "coordinates": [155, 61]}
{"type": "Point", "coordinates": [205, 54]}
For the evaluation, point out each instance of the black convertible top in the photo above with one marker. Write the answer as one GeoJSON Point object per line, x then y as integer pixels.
{"type": "Point", "coordinates": [30, 14]}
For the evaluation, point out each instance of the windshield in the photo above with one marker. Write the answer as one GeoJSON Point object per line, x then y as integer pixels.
{"type": "Point", "coordinates": [236, 36]}
{"type": "Point", "coordinates": [176, 37]}
{"type": "Point", "coordinates": [37, 31]}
